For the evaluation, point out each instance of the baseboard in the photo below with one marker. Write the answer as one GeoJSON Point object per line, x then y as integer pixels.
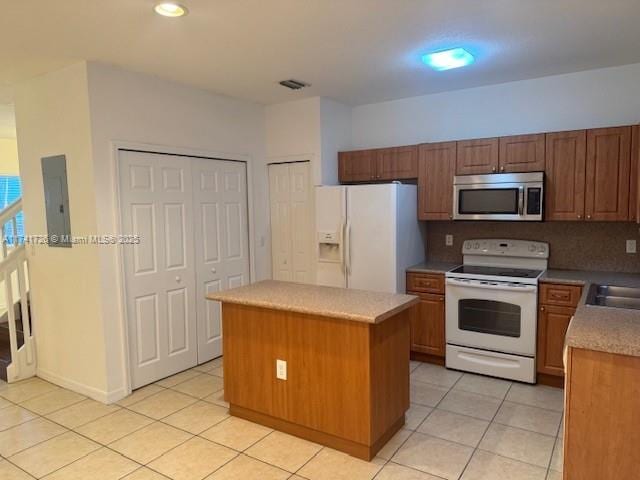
{"type": "Point", "coordinates": [91, 392]}
{"type": "Point", "coordinates": [427, 358]}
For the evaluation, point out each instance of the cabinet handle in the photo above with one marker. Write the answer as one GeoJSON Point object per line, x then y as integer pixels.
{"type": "Point", "coordinates": [542, 309]}
{"type": "Point", "coordinates": [588, 217]}
{"type": "Point", "coordinates": [579, 216]}
{"type": "Point", "coordinates": [450, 217]}
{"type": "Point", "coordinates": [502, 169]}
{"type": "Point", "coordinates": [493, 169]}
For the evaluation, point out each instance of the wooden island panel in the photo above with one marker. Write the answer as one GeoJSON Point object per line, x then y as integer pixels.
{"type": "Point", "coordinates": [347, 382]}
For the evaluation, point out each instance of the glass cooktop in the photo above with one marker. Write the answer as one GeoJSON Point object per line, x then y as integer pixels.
{"type": "Point", "coordinates": [497, 271]}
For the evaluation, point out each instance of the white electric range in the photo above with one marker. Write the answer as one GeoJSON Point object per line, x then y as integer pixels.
{"type": "Point", "coordinates": [491, 308]}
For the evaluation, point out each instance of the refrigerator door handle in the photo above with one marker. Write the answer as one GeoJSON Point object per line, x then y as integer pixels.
{"type": "Point", "coordinates": [347, 248]}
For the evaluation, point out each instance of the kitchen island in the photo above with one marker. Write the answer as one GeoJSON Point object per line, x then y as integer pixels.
{"type": "Point", "coordinates": [345, 383]}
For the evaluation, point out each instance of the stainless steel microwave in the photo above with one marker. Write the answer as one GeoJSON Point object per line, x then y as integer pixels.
{"type": "Point", "coordinates": [499, 196]}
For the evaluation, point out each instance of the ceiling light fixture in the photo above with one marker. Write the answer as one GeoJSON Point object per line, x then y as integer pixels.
{"type": "Point", "coordinates": [448, 59]}
{"type": "Point", "coordinates": [170, 9]}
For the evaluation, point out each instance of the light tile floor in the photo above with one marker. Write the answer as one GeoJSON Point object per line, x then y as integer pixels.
{"type": "Point", "coordinates": [459, 426]}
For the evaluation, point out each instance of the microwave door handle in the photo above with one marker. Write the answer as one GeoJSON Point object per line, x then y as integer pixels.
{"type": "Point", "coordinates": [521, 200]}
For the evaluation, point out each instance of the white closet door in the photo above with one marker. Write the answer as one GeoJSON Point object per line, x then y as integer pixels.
{"type": "Point", "coordinates": [292, 220]}
{"type": "Point", "coordinates": [280, 207]}
{"type": "Point", "coordinates": [156, 204]}
{"type": "Point", "coordinates": [222, 243]}
{"type": "Point", "coordinates": [302, 222]}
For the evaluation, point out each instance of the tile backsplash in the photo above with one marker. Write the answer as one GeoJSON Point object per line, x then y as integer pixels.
{"type": "Point", "coordinates": [572, 245]}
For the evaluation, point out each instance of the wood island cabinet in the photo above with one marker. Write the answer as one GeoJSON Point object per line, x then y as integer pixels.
{"type": "Point", "coordinates": [436, 168]}
{"type": "Point", "coordinates": [428, 320]}
{"type": "Point", "coordinates": [602, 414]}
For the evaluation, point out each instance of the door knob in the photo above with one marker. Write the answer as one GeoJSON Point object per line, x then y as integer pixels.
{"type": "Point", "coordinates": [178, 279]}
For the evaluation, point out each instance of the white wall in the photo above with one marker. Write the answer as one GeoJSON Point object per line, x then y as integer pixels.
{"type": "Point", "coordinates": [132, 107]}
{"type": "Point", "coordinates": [9, 156]}
{"type": "Point", "coordinates": [81, 111]}
{"type": "Point", "coordinates": [292, 133]}
{"type": "Point", "coordinates": [594, 98]}
{"type": "Point", "coordinates": [313, 129]}
{"type": "Point", "coordinates": [52, 114]}
{"type": "Point", "coordinates": [335, 136]}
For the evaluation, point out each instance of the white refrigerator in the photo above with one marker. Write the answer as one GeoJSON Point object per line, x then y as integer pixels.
{"type": "Point", "coordinates": [367, 236]}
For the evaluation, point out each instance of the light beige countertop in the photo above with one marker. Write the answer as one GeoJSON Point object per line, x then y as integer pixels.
{"type": "Point", "coordinates": [432, 267]}
{"type": "Point", "coordinates": [604, 329]}
{"type": "Point", "coordinates": [348, 304]}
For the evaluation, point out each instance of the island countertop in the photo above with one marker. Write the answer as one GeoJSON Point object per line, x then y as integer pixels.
{"type": "Point", "coordinates": [348, 304]}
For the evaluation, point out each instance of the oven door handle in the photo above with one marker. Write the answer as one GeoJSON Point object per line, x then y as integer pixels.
{"type": "Point", "coordinates": [485, 286]}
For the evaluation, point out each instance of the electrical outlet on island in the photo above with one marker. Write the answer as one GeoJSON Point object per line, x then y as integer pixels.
{"type": "Point", "coordinates": [631, 246]}
{"type": "Point", "coordinates": [281, 369]}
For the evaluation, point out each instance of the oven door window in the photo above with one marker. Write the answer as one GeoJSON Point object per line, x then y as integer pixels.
{"type": "Point", "coordinates": [489, 316]}
{"type": "Point", "coordinates": [478, 201]}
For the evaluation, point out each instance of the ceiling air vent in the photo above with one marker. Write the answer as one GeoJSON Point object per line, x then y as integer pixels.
{"type": "Point", "coordinates": [294, 84]}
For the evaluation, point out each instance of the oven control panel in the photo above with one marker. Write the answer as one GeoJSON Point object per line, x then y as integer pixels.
{"type": "Point", "coordinates": [507, 248]}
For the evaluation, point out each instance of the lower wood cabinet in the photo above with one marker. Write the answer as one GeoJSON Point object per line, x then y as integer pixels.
{"type": "Point", "coordinates": [427, 326]}
{"type": "Point", "coordinates": [557, 304]}
{"type": "Point", "coordinates": [428, 320]}
{"type": "Point", "coordinates": [552, 327]}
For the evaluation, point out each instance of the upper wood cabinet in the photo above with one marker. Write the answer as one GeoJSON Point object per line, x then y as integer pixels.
{"type": "Point", "coordinates": [634, 186]}
{"type": "Point", "coordinates": [608, 169]}
{"type": "Point", "coordinates": [357, 166]}
{"type": "Point", "coordinates": [395, 163]}
{"type": "Point", "coordinates": [522, 153]}
{"type": "Point", "coordinates": [436, 168]}
{"type": "Point", "coordinates": [477, 156]}
{"type": "Point", "coordinates": [565, 172]}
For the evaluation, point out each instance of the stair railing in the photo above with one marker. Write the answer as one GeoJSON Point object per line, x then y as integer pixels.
{"type": "Point", "coordinates": [14, 277]}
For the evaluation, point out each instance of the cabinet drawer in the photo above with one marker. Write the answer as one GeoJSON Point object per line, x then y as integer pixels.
{"type": "Point", "coordinates": [425, 282]}
{"type": "Point", "coordinates": [559, 294]}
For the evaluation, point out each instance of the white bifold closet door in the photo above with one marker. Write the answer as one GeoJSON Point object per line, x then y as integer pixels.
{"type": "Point", "coordinates": [292, 220]}
{"type": "Point", "coordinates": [191, 216]}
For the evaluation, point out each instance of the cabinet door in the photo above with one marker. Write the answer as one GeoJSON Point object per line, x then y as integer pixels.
{"type": "Point", "coordinates": [427, 326]}
{"type": "Point", "coordinates": [552, 327]}
{"type": "Point", "coordinates": [565, 175]}
{"type": "Point", "coordinates": [357, 166]}
{"type": "Point", "coordinates": [477, 156]}
{"type": "Point", "coordinates": [397, 163]}
{"type": "Point", "coordinates": [634, 198]}
{"type": "Point", "coordinates": [522, 153]}
{"type": "Point", "coordinates": [436, 168]}
{"type": "Point", "coordinates": [607, 175]}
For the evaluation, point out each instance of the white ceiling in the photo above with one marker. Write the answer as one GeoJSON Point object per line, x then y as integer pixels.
{"type": "Point", "coordinates": [356, 51]}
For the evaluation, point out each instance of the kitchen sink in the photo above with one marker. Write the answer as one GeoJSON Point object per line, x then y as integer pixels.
{"type": "Point", "coordinates": [613, 296]}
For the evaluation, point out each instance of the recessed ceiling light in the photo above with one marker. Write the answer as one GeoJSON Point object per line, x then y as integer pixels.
{"type": "Point", "coordinates": [448, 59]}
{"type": "Point", "coordinates": [170, 9]}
